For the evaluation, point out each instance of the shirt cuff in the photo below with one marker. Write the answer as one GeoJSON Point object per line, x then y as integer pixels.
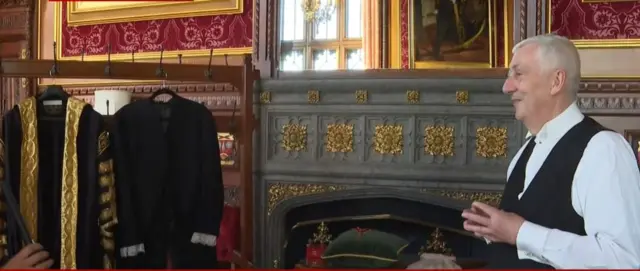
{"type": "Point", "coordinates": [532, 238]}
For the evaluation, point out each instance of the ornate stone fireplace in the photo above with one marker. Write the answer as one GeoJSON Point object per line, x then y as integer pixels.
{"type": "Point", "coordinates": [382, 153]}
{"type": "Point", "coordinates": [413, 215]}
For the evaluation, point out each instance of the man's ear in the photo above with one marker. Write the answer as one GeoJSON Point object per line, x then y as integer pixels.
{"type": "Point", "coordinates": [558, 80]}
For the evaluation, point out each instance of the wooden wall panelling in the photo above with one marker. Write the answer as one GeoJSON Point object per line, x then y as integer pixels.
{"type": "Point", "coordinates": [265, 37]}
{"type": "Point", "coordinates": [16, 41]}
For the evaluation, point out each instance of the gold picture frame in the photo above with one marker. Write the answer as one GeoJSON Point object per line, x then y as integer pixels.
{"type": "Point", "coordinates": [395, 38]}
{"type": "Point", "coordinates": [492, 57]}
{"type": "Point", "coordinates": [57, 33]}
{"type": "Point", "coordinates": [599, 43]}
{"type": "Point", "coordinates": [103, 12]}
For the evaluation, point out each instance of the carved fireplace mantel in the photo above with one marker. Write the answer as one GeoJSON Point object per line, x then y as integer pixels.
{"type": "Point", "coordinates": [420, 141]}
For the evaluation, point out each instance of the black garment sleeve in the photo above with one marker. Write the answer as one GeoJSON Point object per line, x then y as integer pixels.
{"type": "Point", "coordinates": [211, 197]}
{"type": "Point", "coordinates": [3, 210]}
{"type": "Point", "coordinates": [128, 242]}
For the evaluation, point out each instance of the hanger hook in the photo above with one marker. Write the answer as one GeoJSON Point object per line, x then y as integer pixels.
{"type": "Point", "coordinates": [208, 72]}
{"type": "Point", "coordinates": [107, 69]}
{"type": "Point", "coordinates": [54, 69]}
{"type": "Point", "coordinates": [179, 58]}
{"type": "Point", "coordinates": [160, 70]}
{"type": "Point", "coordinates": [133, 57]}
{"type": "Point", "coordinates": [226, 60]}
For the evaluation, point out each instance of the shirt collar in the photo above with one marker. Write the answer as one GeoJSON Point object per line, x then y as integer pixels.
{"type": "Point", "coordinates": [556, 128]}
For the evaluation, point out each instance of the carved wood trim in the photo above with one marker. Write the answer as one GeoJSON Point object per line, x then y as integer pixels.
{"type": "Point", "coordinates": [213, 96]}
{"type": "Point", "coordinates": [609, 86]}
{"type": "Point", "coordinates": [223, 90]}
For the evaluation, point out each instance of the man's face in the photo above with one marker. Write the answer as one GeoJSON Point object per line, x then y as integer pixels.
{"type": "Point", "coordinates": [526, 84]}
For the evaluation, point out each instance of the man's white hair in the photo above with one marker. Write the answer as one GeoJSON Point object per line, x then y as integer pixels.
{"type": "Point", "coordinates": [556, 52]}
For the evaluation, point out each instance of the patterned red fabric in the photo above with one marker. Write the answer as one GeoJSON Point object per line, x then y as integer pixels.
{"type": "Point", "coordinates": [229, 236]}
{"type": "Point", "coordinates": [191, 33]}
{"type": "Point", "coordinates": [577, 20]}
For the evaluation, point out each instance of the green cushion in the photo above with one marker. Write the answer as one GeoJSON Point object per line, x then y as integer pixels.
{"type": "Point", "coordinates": [363, 248]}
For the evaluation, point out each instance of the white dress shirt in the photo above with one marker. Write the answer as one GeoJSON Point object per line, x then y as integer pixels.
{"type": "Point", "coordinates": [605, 193]}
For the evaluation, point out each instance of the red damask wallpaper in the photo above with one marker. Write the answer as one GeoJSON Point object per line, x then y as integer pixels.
{"type": "Point", "coordinates": [193, 33]}
{"type": "Point", "coordinates": [584, 21]}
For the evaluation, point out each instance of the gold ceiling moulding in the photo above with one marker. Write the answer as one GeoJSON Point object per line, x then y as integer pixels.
{"type": "Point", "coordinates": [462, 96]}
{"type": "Point", "coordinates": [339, 138]}
{"type": "Point", "coordinates": [362, 97]}
{"type": "Point", "coordinates": [57, 36]}
{"type": "Point", "coordinates": [388, 139]}
{"type": "Point", "coordinates": [491, 142]}
{"type": "Point", "coordinates": [294, 137]}
{"type": "Point", "coordinates": [413, 96]}
{"type": "Point", "coordinates": [313, 96]}
{"type": "Point", "coordinates": [491, 198]}
{"type": "Point", "coordinates": [279, 192]}
{"type": "Point", "coordinates": [103, 12]}
{"type": "Point", "coordinates": [438, 140]}
{"type": "Point", "coordinates": [265, 97]}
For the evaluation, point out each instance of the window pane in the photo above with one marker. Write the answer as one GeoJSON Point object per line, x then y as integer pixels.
{"type": "Point", "coordinates": [293, 61]}
{"type": "Point", "coordinates": [354, 19]}
{"type": "Point", "coordinates": [325, 60]}
{"type": "Point", "coordinates": [326, 24]}
{"type": "Point", "coordinates": [292, 20]}
{"type": "Point", "coordinates": [355, 59]}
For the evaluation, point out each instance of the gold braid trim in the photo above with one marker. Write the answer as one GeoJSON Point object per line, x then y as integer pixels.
{"type": "Point", "coordinates": [69, 204]}
{"type": "Point", "coordinates": [29, 166]}
{"type": "Point", "coordinates": [108, 217]}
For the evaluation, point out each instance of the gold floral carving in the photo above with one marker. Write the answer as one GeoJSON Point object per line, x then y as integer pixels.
{"type": "Point", "coordinates": [362, 96]}
{"type": "Point", "coordinates": [491, 142]}
{"type": "Point", "coordinates": [280, 192]}
{"type": "Point", "coordinates": [438, 140]}
{"type": "Point", "coordinates": [339, 138]}
{"type": "Point", "coordinates": [313, 96]}
{"type": "Point", "coordinates": [436, 244]}
{"type": "Point", "coordinates": [491, 198]}
{"type": "Point", "coordinates": [388, 139]}
{"type": "Point", "coordinates": [462, 96]}
{"type": "Point", "coordinates": [265, 97]}
{"type": "Point", "coordinates": [294, 137]}
{"type": "Point", "coordinates": [413, 96]}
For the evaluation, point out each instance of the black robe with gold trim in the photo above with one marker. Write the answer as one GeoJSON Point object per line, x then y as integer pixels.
{"type": "Point", "coordinates": [61, 174]}
{"type": "Point", "coordinates": [167, 165]}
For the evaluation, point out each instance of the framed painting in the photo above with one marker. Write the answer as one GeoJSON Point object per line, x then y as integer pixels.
{"type": "Point", "coordinates": [226, 143]}
{"type": "Point", "coordinates": [453, 34]}
{"type": "Point", "coordinates": [633, 136]}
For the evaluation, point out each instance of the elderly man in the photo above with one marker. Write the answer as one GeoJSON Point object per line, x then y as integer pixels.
{"type": "Point", "coordinates": [573, 191]}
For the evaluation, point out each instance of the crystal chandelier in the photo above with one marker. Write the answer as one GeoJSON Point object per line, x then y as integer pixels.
{"type": "Point", "coordinates": [318, 11]}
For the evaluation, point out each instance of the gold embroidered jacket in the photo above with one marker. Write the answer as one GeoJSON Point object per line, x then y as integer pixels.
{"type": "Point", "coordinates": [61, 174]}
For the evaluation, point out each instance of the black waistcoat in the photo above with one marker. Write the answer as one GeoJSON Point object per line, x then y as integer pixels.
{"type": "Point", "coordinates": [547, 200]}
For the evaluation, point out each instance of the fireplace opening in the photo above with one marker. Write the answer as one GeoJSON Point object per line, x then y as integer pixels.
{"type": "Point", "coordinates": [427, 227]}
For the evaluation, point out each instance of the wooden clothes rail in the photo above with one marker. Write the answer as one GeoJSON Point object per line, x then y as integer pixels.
{"type": "Point", "coordinates": [241, 77]}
